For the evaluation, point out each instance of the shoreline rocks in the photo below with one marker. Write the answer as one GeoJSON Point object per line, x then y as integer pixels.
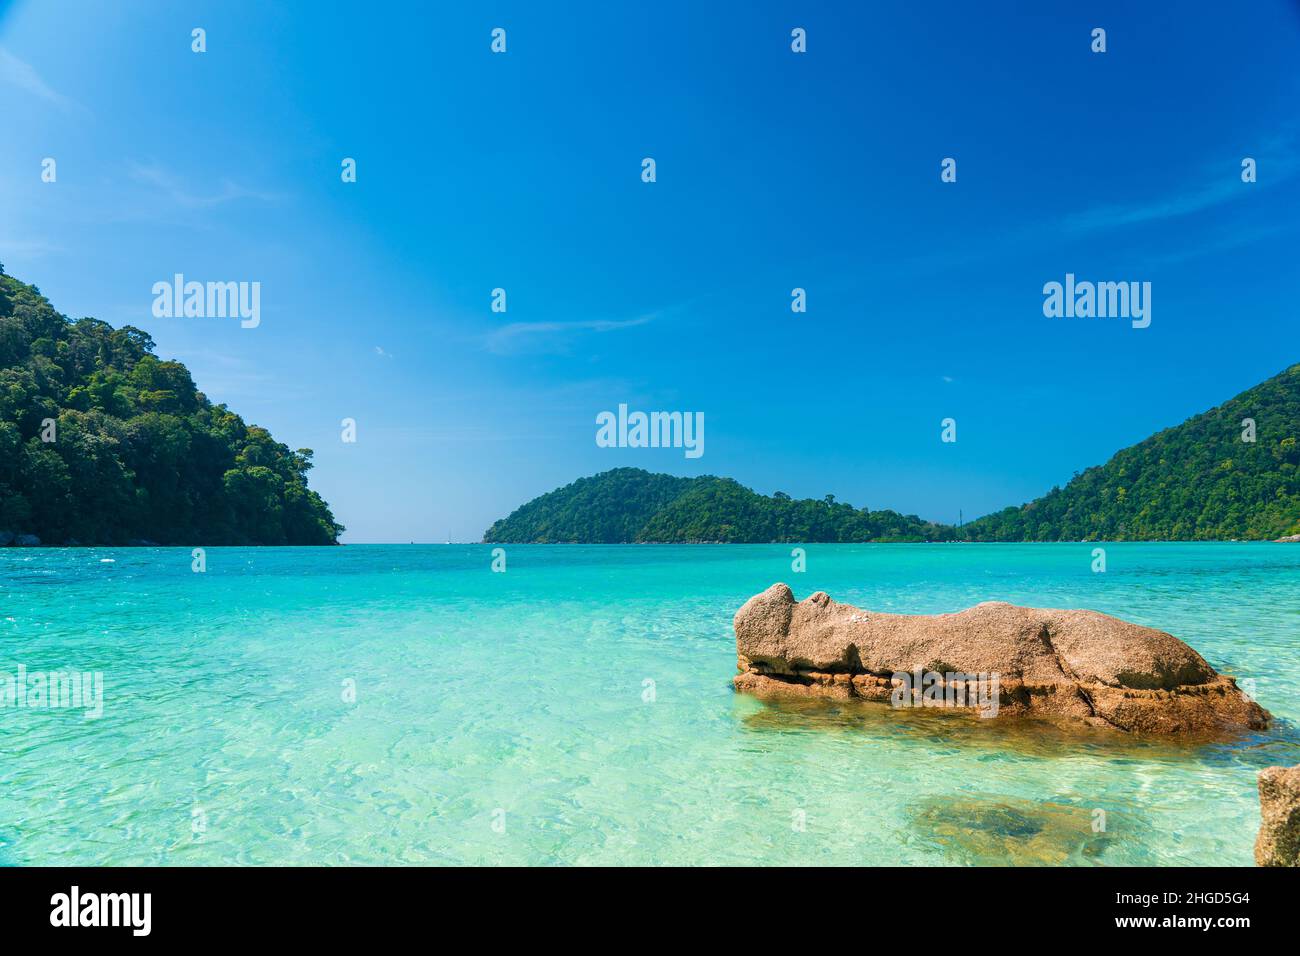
{"type": "Point", "coordinates": [9, 539]}
{"type": "Point", "coordinates": [1060, 664]}
{"type": "Point", "coordinates": [1278, 842]}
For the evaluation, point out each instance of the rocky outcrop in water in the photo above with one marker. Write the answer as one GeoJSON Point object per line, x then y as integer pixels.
{"type": "Point", "coordinates": [1278, 842]}
{"type": "Point", "coordinates": [994, 658]}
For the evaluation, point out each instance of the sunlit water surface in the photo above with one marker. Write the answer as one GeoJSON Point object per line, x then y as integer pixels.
{"type": "Point", "coordinates": [511, 718]}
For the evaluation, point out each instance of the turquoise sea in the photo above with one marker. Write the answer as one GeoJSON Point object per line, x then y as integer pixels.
{"type": "Point", "coordinates": [577, 709]}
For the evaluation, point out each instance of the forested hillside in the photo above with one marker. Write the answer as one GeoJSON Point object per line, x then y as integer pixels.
{"type": "Point", "coordinates": [135, 453]}
{"type": "Point", "coordinates": [1196, 481]}
{"type": "Point", "coordinates": [609, 508]}
{"type": "Point", "coordinates": [630, 505]}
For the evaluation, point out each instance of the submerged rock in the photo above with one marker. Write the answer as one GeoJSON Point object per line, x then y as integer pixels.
{"type": "Point", "coordinates": [1278, 843]}
{"type": "Point", "coordinates": [1009, 832]}
{"type": "Point", "coordinates": [1079, 665]}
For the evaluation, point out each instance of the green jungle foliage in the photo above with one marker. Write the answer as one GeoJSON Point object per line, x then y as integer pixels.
{"type": "Point", "coordinates": [630, 505]}
{"type": "Point", "coordinates": [1196, 481]}
{"type": "Point", "coordinates": [139, 454]}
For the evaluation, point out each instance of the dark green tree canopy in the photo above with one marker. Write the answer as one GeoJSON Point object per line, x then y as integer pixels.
{"type": "Point", "coordinates": [1197, 481]}
{"type": "Point", "coordinates": [139, 453]}
{"type": "Point", "coordinates": [630, 505]}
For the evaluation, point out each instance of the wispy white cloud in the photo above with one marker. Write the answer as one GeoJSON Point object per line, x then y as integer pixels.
{"type": "Point", "coordinates": [17, 73]}
{"type": "Point", "coordinates": [524, 335]}
{"type": "Point", "coordinates": [1116, 216]}
{"type": "Point", "coordinates": [1226, 243]}
{"type": "Point", "coordinates": [379, 350]}
{"type": "Point", "coordinates": [236, 379]}
{"type": "Point", "coordinates": [1218, 185]}
{"type": "Point", "coordinates": [456, 433]}
{"type": "Point", "coordinates": [1277, 163]}
{"type": "Point", "coordinates": [174, 189]}
{"type": "Point", "coordinates": [29, 247]}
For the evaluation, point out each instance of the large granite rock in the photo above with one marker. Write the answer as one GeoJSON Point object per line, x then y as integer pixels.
{"type": "Point", "coordinates": [1278, 843]}
{"type": "Point", "coordinates": [1060, 664]}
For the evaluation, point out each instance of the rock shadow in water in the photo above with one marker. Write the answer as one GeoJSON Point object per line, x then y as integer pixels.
{"type": "Point", "coordinates": [946, 729]}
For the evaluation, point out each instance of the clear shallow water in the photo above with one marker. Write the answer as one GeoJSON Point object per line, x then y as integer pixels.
{"type": "Point", "coordinates": [523, 692]}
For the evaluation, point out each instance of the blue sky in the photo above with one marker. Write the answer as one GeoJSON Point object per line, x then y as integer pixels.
{"type": "Point", "coordinates": [774, 170]}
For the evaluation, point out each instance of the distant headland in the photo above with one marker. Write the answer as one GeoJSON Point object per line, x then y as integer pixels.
{"type": "Point", "coordinates": [1230, 473]}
